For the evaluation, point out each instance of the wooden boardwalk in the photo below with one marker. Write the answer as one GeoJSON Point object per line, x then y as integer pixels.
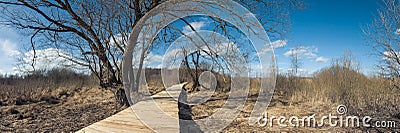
{"type": "Point", "coordinates": [127, 121]}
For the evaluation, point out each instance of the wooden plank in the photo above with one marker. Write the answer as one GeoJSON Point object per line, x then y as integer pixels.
{"type": "Point", "coordinates": [127, 121]}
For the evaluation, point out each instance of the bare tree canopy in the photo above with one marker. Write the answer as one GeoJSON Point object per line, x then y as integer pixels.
{"type": "Point", "coordinates": [383, 36]}
{"type": "Point", "coordinates": [94, 33]}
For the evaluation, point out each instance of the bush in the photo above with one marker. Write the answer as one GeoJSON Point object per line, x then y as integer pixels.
{"type": "Point", "coordinates": [341, 85]}
{"type": "Point", "coordinates": [39, 85]}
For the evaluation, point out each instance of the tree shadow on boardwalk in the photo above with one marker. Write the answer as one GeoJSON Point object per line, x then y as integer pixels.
{"type": "Point", "coordinates": [186, 122]}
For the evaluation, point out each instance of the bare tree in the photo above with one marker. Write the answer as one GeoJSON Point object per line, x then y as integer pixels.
{"type": "Point", "coordinates": [94, 34]}
{"type": "Point", "coordinates": [349, 61]}
{"type": "Point", "coordinates": [383, 35]}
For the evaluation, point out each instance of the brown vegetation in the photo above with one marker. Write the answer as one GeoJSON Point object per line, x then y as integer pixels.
{"type": "Point", "coordinates": [61, 100]}
{"type": "Point", "coordinates": [375, 97]}
{"type": "Point", "coordinates": [41, 85]}
{"type": "Point", "coordinates": [320, 95]}
{"type": "Point", "coordinates": [58, 100]}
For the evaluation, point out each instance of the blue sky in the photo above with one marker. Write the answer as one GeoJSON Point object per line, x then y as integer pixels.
{"type": "Point", "coordinates": [331, 26]}
{"type": "Point", "coordinates": [8, 49]}
{"type": "Point", "coordinates": [325, 29]}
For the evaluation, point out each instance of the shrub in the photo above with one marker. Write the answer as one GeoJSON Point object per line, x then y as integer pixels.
{"type": "Point", "coordinates": [38, 85]}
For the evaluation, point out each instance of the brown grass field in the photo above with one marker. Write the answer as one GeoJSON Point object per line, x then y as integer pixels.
{"type": "Point", "coordinates": [62, 101]}
{"type": "Point", "coordinates": [319, 95]}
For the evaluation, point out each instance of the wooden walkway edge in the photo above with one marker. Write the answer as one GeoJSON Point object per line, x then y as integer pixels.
{"type": "Point", "coordinates": [127, 121]}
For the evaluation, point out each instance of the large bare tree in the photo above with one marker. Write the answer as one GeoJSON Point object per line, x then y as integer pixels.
{"type": "Point", "coordinates": [383, 35]}
{"type": "Point", "coordinates": [86, 30]}
{"type": "Point", "coordinates": [94, 33]}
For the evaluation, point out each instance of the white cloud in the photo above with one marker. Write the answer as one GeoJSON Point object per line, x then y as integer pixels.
{"type": "Point", "coordinates": [195, 25]}
{"type": "Point", "coordinates": [8, 47]}
{"type": "Point", "coordinates": [279, 43]}
{"type": "Point", "coordinates": [47, 59]}
{"type": "Point", "coordinates": [153, 60]}
{"type": "Point", "coordinates": [309, 52]}
{"type": "Point", "coordinates": [8, 53]}
{"type": "Point", "coordinates": [118, 39]}
{"type": "Point", "coordinates": [390, 56]}
{"type": "Point", "coordinates": [321, 59]}
{"type": "Point", "coordinates": [297, 51]}
{"type": "Point", "coordinates": [275, 44]}
{"type": "Point", "coordinates": [397, 32]}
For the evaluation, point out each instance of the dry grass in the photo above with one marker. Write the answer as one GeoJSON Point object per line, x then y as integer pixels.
{"type": "Point", "coordinates": [154, 81]}
{"type": "Point", "coordinates": [53, 101]}
{"type": "Point", "coordinates": [41, 86]}
{"type": "Point", "coordinates": [318, 95]}
{"type": "Point", "coordinates": [40, 103]}
{"type": "Point", "coordinates": [375, 97]}
{"type": "Point", "coordinates": [59, 100]}
{"type": "Point", "coordinates": [83, 107]}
